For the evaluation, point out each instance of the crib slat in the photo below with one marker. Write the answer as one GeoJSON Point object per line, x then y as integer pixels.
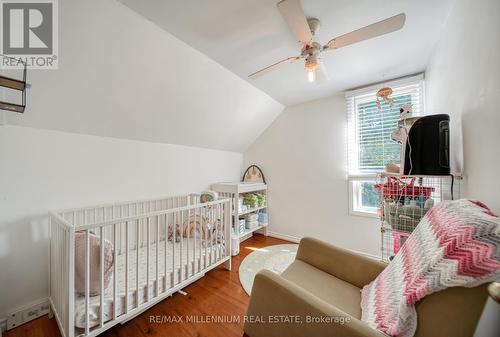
{"type": "Point", "coordinates": [205, 237]}
{"type": "Point", "coordinates": [165, 251]}
{"type": "Point", "coordinates": [126, 267]}
{"type": "Point", "coordinates": [157, 254]}
{"type": "Point", "coordinates": [181, 264]}
{"type": "Point", "coordinates": [174, 239]}
{"type": "Point", "coordinates": [137, 231]}
{"type": "Point", "coordinates": [71, 280]}
{"type": "Point", "coordinates": [147, 260]}
{"type": "Point", "coordinates": [196, 267]}
{"type": "Point", "coordinates": [191, 233]}
{"type": "Point", "coordinates": [87, 280]}
{"type": "Point", "coordinates": [114, 267]}
{"type": "Point", "coordinates": [201, 241]}
{"type": "Point", "coordinates": [216, 224]}
{"type": "Point", "coordinates": [221, 231]}
{"type": "Point", "coordinates": [210, 220]}
{"type": "Point", "coordinates": [55, 266]}
{"type": "Point", "coordinates": [101, 278]}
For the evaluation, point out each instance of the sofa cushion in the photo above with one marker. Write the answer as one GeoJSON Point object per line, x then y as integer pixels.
{"type": "Point", "coordinates": [330, 289]}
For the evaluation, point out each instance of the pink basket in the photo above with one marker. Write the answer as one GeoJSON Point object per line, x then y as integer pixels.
{"type": "Point", "coordinates": [395, 187]}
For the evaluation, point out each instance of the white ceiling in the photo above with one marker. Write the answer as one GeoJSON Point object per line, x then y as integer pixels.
{"type": "Point", "coordinates": [245, 36]}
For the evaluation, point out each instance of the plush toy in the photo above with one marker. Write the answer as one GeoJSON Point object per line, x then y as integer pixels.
{"type": "Point", "coordinates": [405, 111]}
{"type": "Point", "coordinates": [399, 135]}
{"type": "Point", "coordinates": [393, 167]}
{"type": "Point", "coordinates": [207, 196]}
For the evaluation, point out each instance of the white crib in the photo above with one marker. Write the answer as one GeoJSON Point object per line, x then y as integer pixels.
{"type": "Point", "coordinates": [158, 247]}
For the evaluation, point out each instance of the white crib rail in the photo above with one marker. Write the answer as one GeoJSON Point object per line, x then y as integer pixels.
{"type": "Point", "coordinates": [61, 277]}
{"type": "Point", "coordinates": [131, 228]}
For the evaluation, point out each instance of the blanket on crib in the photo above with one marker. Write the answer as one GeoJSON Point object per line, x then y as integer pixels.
{"type": "Point", "coordinates": [457, 243]}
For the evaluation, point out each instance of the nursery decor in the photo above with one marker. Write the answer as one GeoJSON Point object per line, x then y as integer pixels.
{"type": "Point", "coordinates": [275, 258]}
{"type": "Point", "coordinates": [383, 95]}
{"type": "Point", "coordinates": [405, 111]}
{"type": "Point", "coordinates": [207, 196]}
{"type": "Point", "coordinates": [253, 174]}
{"type": "Point", "coordinates": [455, 244]}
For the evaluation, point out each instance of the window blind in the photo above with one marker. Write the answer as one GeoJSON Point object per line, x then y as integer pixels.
{"type": "Point", "coordinates": [370, 147]}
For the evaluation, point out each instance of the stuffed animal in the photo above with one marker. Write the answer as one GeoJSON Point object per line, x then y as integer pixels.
{"type": "Point", "coordinates": [393, 167]}
{"type": "Point", "coordinates": [399, 135]}
{"type": "Point", "coordinates": [199, 227]}
{"type": "Point", "coordinates": [405, 111]}
{"type": "Point", "coordinates": [207, 196]}
{"type": "Point", "coordinates": [178, 233]}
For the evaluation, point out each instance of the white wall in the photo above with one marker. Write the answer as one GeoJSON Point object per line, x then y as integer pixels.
{"type": "Point", "coordinates": [463, 80]}
{"type": "Point", "coordinates": [119, 76]}
{"type": "Point", "coordinates": [122, 76]}
{"type": "Point", "coordinates": [42, 170]}
{"type": "Point", "coordinates": [304, 157]}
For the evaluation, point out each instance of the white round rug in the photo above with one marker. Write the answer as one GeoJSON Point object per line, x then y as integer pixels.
{"type": "Point", "coordinates": [274, 258]}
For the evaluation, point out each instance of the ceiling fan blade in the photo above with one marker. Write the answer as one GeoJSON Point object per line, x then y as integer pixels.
{"type": "Point", "coordinates": [389, 25]}
{"type": "Point", "coordinates": [292, 12]}
{"type": "Point", "coordinates": [274, 66]}
{"type": "Point", "coordinates": [321, 74]}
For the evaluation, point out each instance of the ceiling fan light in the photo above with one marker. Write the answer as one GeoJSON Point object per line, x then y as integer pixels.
{"type": "Point", "coordinates": [311, 63]}
{"type": "Point", "coordinates": [311, 76]}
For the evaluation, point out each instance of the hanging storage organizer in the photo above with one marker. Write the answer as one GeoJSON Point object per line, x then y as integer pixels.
{"type": "Point", "coordinates": [404, 200]}
{"type": "Point", "coordinates": [15, 84]}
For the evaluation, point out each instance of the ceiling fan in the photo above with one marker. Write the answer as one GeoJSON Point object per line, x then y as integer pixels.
{"type": "Point", "coordinates": [304, 30]}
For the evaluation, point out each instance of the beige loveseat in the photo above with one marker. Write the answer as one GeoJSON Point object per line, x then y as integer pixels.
{"type": "Point", "coordinates": [319, 295]}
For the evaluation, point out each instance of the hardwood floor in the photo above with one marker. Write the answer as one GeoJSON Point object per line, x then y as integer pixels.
{"type": "Point", "coordinates": [219, 293]}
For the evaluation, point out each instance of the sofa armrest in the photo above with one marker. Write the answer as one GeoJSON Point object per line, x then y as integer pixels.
{"type": "Point", "coordinates": [341, 263]}
{"type": "Point", "coordinates": [279, 308]}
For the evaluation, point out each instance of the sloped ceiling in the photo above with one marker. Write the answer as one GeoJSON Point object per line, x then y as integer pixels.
{"type": "Point", "coordinates": [247, 35]}
{"type": "Point", "coordinates": [122, 76]}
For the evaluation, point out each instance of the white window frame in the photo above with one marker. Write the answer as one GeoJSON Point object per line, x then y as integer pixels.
{"type": "Point", "coordinates": [356, 178]}
{"type": "Point", "coordinates": [354, 184]}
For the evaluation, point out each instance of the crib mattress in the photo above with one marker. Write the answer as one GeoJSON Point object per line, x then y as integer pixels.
{"type": "Point", "coordinates": [199, 258]}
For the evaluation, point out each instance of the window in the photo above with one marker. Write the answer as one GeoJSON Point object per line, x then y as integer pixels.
{"type": "Point", "coordinates": [370, 147]}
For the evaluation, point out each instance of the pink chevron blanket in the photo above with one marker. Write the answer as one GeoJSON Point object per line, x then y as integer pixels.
{"type": "Point", "coordinates": [457, 243]}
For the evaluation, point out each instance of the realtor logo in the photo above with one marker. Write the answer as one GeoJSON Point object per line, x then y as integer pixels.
{"type": "Point", "coordinates": [29, 33]}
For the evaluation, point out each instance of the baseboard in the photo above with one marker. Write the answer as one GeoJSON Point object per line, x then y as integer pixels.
{"type": "Point", "coordinates": [27, 313]}
{"type": "Point", "coordinates": [3, 325]}
{"type": "Point", "coordinates": [281, 236]}
{"type": "Point", "coordinates": [296, 239]}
